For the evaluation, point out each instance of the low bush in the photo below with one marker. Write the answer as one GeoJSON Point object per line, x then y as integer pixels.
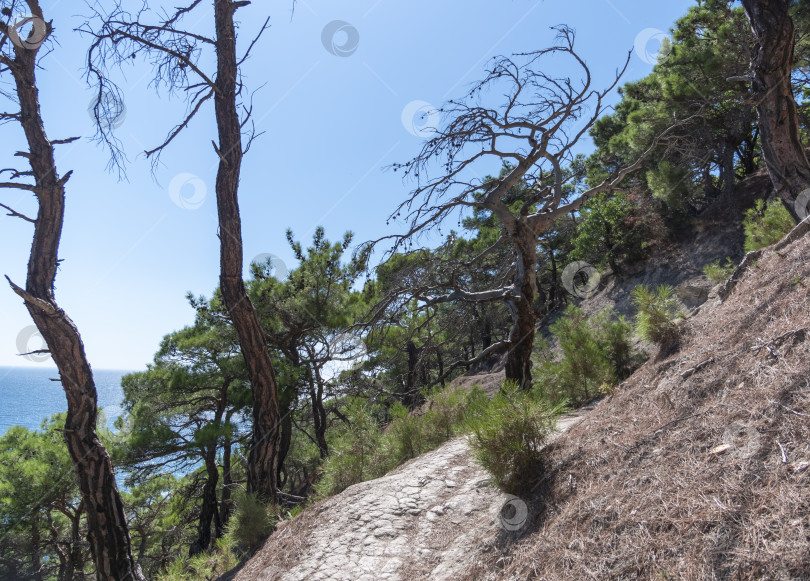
{"type": "Point", "coordinates": [508, 437]}
{"type": "Point", "coordinates": [205, 565]}
{"type": "Point", "coordinates": [363, 450]}
{"type": "Point", "coordinates": [595, 351]}
{"type": "Point", "coordinates": [252, 521]}
{"type": "Point", "coordinates": [355, 451]}
{"type": "Point", "coordinates": [657, 309]}
{"type": "Point", "coordinates": [766, 224]}
{"type": "Point", "coordinates": [719, 273]}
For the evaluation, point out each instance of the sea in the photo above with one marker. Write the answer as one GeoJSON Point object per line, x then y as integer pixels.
{"type": "Point", "coordinates": [28, 396]}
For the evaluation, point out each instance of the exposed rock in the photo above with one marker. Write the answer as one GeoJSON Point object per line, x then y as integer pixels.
{"type": "Point", "coordinates": [420, 521]}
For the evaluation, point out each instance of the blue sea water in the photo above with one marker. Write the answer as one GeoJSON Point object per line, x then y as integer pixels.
{"type": "Point", "coordinates": [28, 396]}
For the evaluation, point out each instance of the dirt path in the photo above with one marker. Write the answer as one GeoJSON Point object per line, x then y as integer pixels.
{"type": "Point", "coordinates": [420, 521]}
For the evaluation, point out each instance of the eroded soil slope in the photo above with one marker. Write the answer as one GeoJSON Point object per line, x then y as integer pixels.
{"type": "Point", "coordinates": [697, 466]}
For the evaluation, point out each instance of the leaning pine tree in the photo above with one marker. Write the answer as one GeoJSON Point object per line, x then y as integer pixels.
{"type": "Point", "coordinates": [106, 521]}
{"type": "Point", "coordinates": [532, 131]}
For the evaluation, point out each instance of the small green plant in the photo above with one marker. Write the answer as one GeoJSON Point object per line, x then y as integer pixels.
{"type": "Point", "coordinates": [595, 350]}
{"type": "Point", "coordinates": [509, 434]}
{"type": "Point", "coordinates": [765, 225]}
{"type": "Point", "coordinates": [718, 273]}
{"type": "Point", "coordinates": [205, 565]}
{"type": "Point", "coordinates": [362, 450]}
{"type": "Point", "coordinates": [355, 452]}
{"type": "Point", "coordinates": [405, 434]}
{"type": "Point", "coordinates": [252, 521]}
{"type": "Point", "coordinates": [657, 309]}
{"type": "Point", "coordinates": [446, 411]}
{"type": "Point", "coordinates": [607, 389]}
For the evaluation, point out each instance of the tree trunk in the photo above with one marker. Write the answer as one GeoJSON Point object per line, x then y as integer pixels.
{"type": "Point", "coordinates": [107, 526]}
{"type": "Point", "coordinates": [524, 317]}
{"type": "Point", "coordinates": [771, 69]}
{"type": "Point", "coordinates": [748, 152]}
{"type": "Point", "coordinates": [521, 336]}
{"type": "Point", "coordinates": [75, 561]}
{"type": "Point", "coordinates": [262, 469]}
{"type": "Point", "coordinates": [227, 481]}
{"type": "Point", "coordinates": [208, 511]}
{"type": "Point", "coordinates": [318, 411]}
{"type": "Point", "coordinates": [728, 181]}
{"type": "Point", "coordinates": [286, 438]}
{"type": "Point", "coordinates": [408, 397]}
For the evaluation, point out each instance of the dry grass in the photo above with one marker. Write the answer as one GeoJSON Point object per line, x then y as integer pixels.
{"type": "Point", "coordinates": [654, 485]}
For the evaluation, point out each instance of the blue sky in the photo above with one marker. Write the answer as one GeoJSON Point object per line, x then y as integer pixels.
{"type": "Point", "coordinates": [331, 123]}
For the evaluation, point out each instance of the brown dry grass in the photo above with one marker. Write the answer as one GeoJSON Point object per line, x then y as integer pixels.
{"type": "Point", "coordinates": [638, 489]}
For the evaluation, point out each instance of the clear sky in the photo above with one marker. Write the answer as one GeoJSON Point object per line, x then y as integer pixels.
{"type": "Point", "coordinates": [331, 123]}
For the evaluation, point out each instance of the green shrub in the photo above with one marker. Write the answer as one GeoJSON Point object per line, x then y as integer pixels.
{"type": "Point", "coordinates": [252, 521]}
{"type": "Point", "coordinates": [508, 437]}
{"type": "Point", "coordinates": [718, 273]}
{"type": "Point", "coordinates": [595, 351]}
{"type": "Point", "coordinates": [446, 412]}
{"type": "Point", "coordinates": [766, 224]}
{"type": "Point", "coordinates": [205, 565]}
{"type": "Point", "coordinates": [405, 436]}
{"type": "Point", "coordinates": [355, 452]}
{"type": "Point", "coordinates": [441, 417]}
{"type": "Point", "coordinates": [609, 232]}
{"type": "Point", "coordinates": [657, 309]}
{"type": "Point", "coordinates": [673, 185]}
{"type": "Point", "coordinates": [362, 451]}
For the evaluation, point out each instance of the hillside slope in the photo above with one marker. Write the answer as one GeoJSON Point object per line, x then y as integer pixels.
{"type": "Point", "coordinates": [697, 466]}
{"type": "Point", "coordinates": [417, 522]}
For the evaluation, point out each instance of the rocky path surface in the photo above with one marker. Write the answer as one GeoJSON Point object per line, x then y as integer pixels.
{"type": "Point", "coordinates": [420, 521]}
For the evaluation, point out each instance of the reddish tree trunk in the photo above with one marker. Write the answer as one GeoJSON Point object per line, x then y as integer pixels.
{"type": "Point", "coordinates": [107, 526]}
{"type": "Point", "coordinates": [771, 69]}
{"type": "Point", "coordinates": [262, 470]}
{"type": "Point", "coordinates": [524, 317]}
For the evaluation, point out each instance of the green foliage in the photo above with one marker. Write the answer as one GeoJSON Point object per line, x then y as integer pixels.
{"type": "Point", "coordinates": [718, 273]}
{"type": "Point", "coordinates": [606, 233]}
{"type": "Point", "coordinates": [508, 437]}
{"type": "Point", "coordinates": [363, 450]}
{"type": "Point", "coordinates": [414, 433]}
{"type": "Point", "coordinates": [205, 565]}
{"type": "Point", "coordinates": [252, 521]}
{"type": "Point", "coordinates": [657, 309]}
{"type": "Point", "coordinates": [595, 351]}
{"type": "Point", "coordinates": [718, 137]}
{"type": "Point", "coordinates": [40, 510]}
{"type": "Point", "coordinates": [671, 184]}
{"type": "Point", "coordinates": [765, 225]}
{"type": "Point", "coordinates": [355, 451]}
